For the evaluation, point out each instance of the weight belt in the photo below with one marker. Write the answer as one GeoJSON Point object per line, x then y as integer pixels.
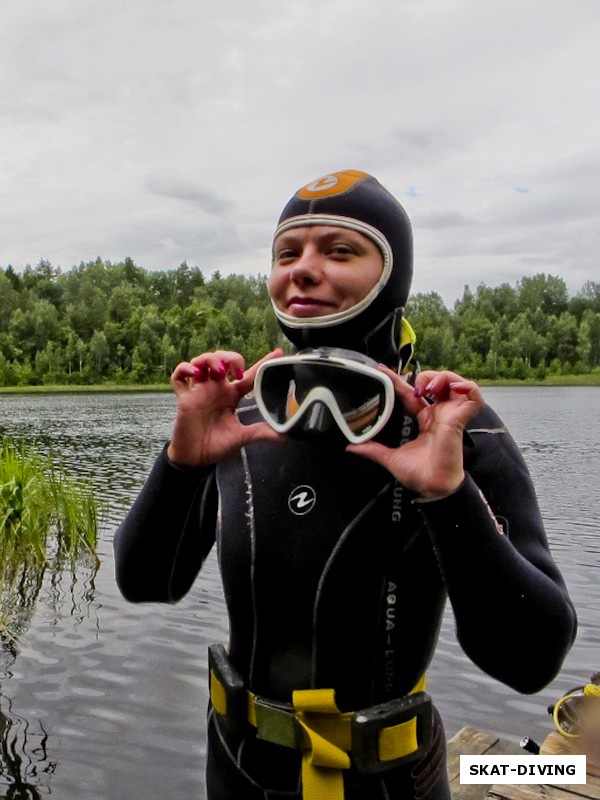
{"type": "Point", "coordinates": [372, 740]}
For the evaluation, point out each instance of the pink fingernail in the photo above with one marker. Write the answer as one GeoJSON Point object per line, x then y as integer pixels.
{"type": "Point", "coordinates": [222, 368]}
{"type": "Point", "coordinates": [429, 387]}
{"type": "Point", "coordinates": [239, 374]}
{"type": "Point", "coordinates": [418, 392]}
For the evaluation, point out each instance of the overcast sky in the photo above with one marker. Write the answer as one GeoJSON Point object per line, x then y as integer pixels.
{"type": "Point", "coordinates": [171, 130]}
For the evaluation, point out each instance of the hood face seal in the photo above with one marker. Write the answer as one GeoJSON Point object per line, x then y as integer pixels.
{"type": "Point", "coordinates": [370, 232]}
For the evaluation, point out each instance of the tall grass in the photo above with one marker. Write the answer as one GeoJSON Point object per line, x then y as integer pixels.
{"type": "Point", "coordinates": [47, 521]}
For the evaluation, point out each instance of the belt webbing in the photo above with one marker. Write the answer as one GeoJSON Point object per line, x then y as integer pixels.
{"type": "Point", "coordinates": [326, 737]}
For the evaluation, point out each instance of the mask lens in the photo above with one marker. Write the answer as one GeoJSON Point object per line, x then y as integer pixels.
{"type": "Point", "coordinates": [278, 392]}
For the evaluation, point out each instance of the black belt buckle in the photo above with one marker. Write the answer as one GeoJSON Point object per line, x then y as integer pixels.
{"type": "Point", "coordinates": [368, 723]}
{"type": "Point", "coordinates": [236, 697]}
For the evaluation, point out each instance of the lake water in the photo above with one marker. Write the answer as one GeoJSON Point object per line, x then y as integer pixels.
{"type": "Point", "coordinates": [105, 700]}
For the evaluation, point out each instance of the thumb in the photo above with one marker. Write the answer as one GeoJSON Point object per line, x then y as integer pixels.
{"type": "Point", "coordinates": [260, 432]}
{"type": "Point", "coordinates": [374, 451]}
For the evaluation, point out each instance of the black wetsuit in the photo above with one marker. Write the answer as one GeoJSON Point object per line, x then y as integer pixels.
{"type": "Point", "coordinates": [335, 577]}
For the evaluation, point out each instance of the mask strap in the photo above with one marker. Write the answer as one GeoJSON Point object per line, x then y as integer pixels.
{"type": "Point", "coordinates": [408, 339]}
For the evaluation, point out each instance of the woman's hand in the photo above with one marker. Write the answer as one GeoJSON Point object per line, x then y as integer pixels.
{"type": "Point", "coordinates": [209, 389]}
{"type": "Point", "coordinates": [432, 464]}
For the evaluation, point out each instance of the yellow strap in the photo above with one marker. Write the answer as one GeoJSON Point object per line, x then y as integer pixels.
{"type": "Point", "coordinates": [251, 709]}
{"type": "Point", "coordinates": [407, 333]}
{"type": "Point", "coordinates": [217, 695]}
{"type": "Point", "coordinates": [408, 338]}
{"type": "Point", "coordinates": [399, 740]}
{"type": "Point", "coordinates": [322, 759]}
{"type": "Point", "coordinates": [329, 741]}
{"type": "Point", "coordinates": [321, 783]}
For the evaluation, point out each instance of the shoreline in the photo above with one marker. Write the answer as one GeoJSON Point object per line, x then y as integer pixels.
{"type": "Point", "coordinates": [117, 388]}
{"type": "Point", "coordinates": [100, 388]}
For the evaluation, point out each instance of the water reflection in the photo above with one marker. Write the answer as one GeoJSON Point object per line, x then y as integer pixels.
{"type": "Point", "coordinates": [25, 764]}
{"type": "Point", "coordinates": [122, 689]}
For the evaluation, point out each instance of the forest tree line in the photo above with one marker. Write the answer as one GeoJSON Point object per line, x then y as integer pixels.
{"type": "Point", "coordinates": [106, 322]}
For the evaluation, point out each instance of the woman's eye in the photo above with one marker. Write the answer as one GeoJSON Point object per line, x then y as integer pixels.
{"type": "Point", "coordinates": [285, 255]}
{"type": "Point", "coordinates": [341, 250]}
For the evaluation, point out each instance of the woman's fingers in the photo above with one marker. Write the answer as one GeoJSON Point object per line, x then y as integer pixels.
{"type": "Point", "coordinates": [246, 382]}
{"type": "Point", "coordinates": [374, 451]}
{"type": "Point", "coordinates": [218, 365]}
{"type": "Point", "coordinates": [436, 384]}
{"type": "Point", "coordinates": [411, 400]}
{"type": "Point", "coordinates": [182, 374]}
{"type": "Point", "coordinates": [260, 432]}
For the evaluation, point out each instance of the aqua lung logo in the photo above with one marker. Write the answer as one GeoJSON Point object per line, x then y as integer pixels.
{"type": "Point", "coordinates": [398, 493]}
{"type": "Point", "coordinates": [302, 500]}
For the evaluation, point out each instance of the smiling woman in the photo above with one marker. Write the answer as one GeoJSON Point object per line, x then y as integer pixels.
{"type": "Point", "coordinates": [323, 271]}
{"type": "Point", "coordinates": [337, 558]}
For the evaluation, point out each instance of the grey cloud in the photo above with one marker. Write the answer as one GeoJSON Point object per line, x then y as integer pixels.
{"type": "Point", "coordinates": [174, 184]}
{"type": "Point", "coordinates": [178, 131]}
{"type": "Point", "coordinates": [441, 220]}
{"type": "Point", "coordinates": [425, 143]}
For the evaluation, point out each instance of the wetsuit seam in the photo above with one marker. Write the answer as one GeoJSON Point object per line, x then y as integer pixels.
{"type": "Point", "coordinates": [338, 546]}
{"type": "Point", "coordinates": [251, 522]}
{"type": "Point", "coordinates": [212, 717]}
{"type": "Point", "coordinates": [182, 534]}
{"type": "Point", "coordinates": [219, 526]}
{"type": "Point", "coordinates": [252, 407]}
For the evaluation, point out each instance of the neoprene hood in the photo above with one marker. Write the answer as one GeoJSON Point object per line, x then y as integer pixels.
{"type": "Point", "coordinates": [356, 200]}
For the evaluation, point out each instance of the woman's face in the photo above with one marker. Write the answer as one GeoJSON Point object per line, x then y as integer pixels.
{"type": "Point", "coordinates": [322, 269]}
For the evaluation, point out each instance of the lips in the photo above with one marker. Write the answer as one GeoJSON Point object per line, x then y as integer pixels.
{"type": "Point", "coordinates": [307, 306]}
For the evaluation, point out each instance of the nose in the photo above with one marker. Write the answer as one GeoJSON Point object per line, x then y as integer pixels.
{"type": "Point", "coordinates": [307, 270]}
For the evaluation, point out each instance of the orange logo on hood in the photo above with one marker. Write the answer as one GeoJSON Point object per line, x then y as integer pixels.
{"type": "Point", "coordinates": [329, 185]}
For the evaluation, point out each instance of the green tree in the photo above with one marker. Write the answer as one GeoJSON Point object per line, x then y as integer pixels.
{"type": "Point", "coordinates": [588, 347]}
{"type": "Point", "coordinates": [87, 310]}
{"type": "Point", "coordinates": [565, 337]}
{"type": "Point", "coordinates": [98, 352]}
{"type": "Point", "coordinates": [544, 291]}
{"type": "Point", "coordinates": [74, 354]}
{"type": "Point", "coordinates": [9, 300]}
{"type": "Point", "coordinates": [529, 344]}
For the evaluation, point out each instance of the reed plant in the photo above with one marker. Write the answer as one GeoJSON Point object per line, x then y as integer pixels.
{"type": "Point", "coordinates": [47, 520]}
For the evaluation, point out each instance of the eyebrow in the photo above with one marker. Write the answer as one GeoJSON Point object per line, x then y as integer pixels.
{"type": "Point", "coordinates": [288, 238]}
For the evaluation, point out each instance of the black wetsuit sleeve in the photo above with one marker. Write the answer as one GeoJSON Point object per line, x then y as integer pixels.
{"type": "Point", "coordinates": [166, 536]}
{"type": "Point", "coordinates": [514, 618]}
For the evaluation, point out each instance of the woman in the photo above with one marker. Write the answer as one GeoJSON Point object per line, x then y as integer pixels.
{"type": "Point", "coordinates": [337, 562]}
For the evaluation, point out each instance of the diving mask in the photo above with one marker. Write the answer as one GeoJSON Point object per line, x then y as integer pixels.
{"type": "Point", "coordinates": [308, 394]}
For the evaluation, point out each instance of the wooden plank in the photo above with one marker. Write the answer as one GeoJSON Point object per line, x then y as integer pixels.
{"type": "Point", "coordinates": [469, 741]}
